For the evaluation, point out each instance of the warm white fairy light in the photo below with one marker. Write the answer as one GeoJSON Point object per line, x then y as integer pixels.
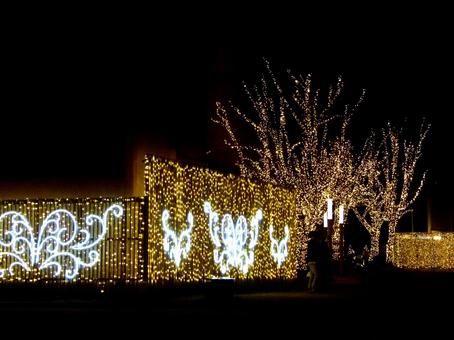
{"type": "Point", "coordinates": [301, 141]}
{"type": "Point", "coordinates": [215, 250]}
{"type": "Point", "coordinates": [387, 188]}
{"type": "Point", "coordinates": [426, 251]}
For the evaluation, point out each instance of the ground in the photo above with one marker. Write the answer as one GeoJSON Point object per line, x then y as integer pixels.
{"type": "Point", "coordinates": [385, 303]}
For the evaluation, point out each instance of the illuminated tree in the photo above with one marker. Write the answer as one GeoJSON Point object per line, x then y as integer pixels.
{"type": "Point", "coordinates": [390, 185]}
{"type": "Point", "coordinates": [296, 138]}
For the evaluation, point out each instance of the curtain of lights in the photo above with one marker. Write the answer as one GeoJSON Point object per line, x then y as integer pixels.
{"type": "Point", "coordinates": [121, 250]}
{"type": "Point", "coordinates": [183, 190]}
{"type": "Point", "coordinates": [425, 251]}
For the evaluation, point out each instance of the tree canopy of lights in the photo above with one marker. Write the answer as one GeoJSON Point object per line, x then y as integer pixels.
{"type": "Point", "coordinates": [295, 135]}
{"type": "Point", "coordinates": [389, 183]}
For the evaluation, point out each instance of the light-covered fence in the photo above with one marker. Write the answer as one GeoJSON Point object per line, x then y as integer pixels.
{"type": "Point", "coordinates": [424, 251]}
{"type": "Point", "coordinates": [193, 224]}
{"type": "Point", "coordinates": [205, 224]}
{"type": "Point", "coordinates": [72, 240]}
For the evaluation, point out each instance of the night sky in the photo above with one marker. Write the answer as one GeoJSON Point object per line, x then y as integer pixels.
{"type": "Point", "coordinates": [73, 100]}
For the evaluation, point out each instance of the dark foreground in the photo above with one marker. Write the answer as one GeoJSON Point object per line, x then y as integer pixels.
{"type": "Point", "coordinates": [381, 303]}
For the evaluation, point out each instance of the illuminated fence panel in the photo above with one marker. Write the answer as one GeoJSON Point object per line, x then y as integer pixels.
{"type": "Point", "coordinates": [39, 242]}
{"type": "Point", "coordinates": [424, 251]}
{"type": "Point", "coordinates": [205, 224]}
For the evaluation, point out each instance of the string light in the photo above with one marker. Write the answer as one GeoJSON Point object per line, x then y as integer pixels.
{"type": "Point", "coordinates": [424, 251]}
{"type": "Point", "coordinates": [229, 212]}
{"type": "Point", "coordinates": [61, 241]}
{"type": "Point", "coordinates": [300, 141]}
{"type": "Point", "coordinates": [388, 178]}
{"type": "Point", "coordinates": [108, 247]}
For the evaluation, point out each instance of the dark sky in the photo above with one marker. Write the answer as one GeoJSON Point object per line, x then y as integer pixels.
{"type": "Point", "coordinates": [73, 97]}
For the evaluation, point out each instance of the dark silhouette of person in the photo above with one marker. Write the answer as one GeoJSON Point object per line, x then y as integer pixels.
{"type": "Point", "coordinates": [325, 265]}
{"type": "Point", "coordinates": [313, 258]}
{"type": "Point", "coordinates": [383, 241]}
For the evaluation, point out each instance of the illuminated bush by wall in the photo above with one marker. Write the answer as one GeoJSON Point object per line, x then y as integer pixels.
{"type": "Point", "coordinates": [205, 224]}
{"type": "Point", "coordinates": [77, 240]}
{"type": "Point", "coordinates": [426, 251]}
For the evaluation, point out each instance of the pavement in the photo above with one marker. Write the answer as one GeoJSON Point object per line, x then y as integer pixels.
{"type": "Point", "coordinates": [385, 303]}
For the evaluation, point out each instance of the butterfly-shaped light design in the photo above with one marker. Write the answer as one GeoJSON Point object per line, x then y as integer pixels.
{"type": "Point", "coordinates": [61, 241]}
{"type": "Point", "coordinates": [230, 239]}
{"type": "Point", "coordinates": [177, 247]}
{"type": "Point", "coordinates": [279, 249]}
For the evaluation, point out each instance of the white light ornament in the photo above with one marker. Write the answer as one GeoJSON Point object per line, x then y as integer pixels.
{"type": "Point", "coordinates": [177, 247]}
{"type": "Point", "coordinates": [61, 241]}
{"type": "Point", "coordinates": [279, 249]}
{"type": "Point", "coordinates": [330, 208]}
{"type": "Point", "coordinates": [231, 239]}
{"type": "Point", "coordinates": [341, 214]}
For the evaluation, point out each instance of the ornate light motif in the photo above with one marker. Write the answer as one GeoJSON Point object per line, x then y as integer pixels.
{"type": "Point", "coordinates": [61, 241]}
{"type": "Point", "coordinates": [177, 247]}
{"type": "Point", "coordinates": [279, 249]}
{"type": "Point", "coordinates": [230, 239]}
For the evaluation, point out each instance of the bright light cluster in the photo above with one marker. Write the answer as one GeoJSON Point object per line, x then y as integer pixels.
{"type": "Point", "coordinates": [77, 240]}
{"type": "Point", "coordinates": [177, 247]}
{"type": "Point", "coordinates": [279, 249]}
{"type": "Point", "coordinates": [388, 183]}
{"type": "Point", "coordinates": [230, 239]}
{"type": "Point", "coordinates": [61, 241]}
{"type": "Point", "coordinates": [229, 234]}
{"type": "Point", "coordinates": [298, 137]}
{"type": "Point", "coordinates": [424, 251]}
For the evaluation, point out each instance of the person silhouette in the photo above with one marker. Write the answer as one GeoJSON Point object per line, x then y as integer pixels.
{"type": "Point", "coordinates": [313, 257]}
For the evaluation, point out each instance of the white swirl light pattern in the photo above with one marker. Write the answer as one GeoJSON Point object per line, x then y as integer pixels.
{"type": "Point", "coordinates": [279, 249]}
{"type": "Point", "coordinates": [177, 247]}
{"type": "Point", "coordinates": [230, 239]}
{"type": "Point", "coordinates": [59, 243]}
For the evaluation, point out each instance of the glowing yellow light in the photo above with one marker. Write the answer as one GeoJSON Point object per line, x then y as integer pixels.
{"type": "Point", "coordinates": [236, 204]}
{"type": "Point", "coordinates": [424, 251]}
{"type": "Point", "coordinates": [300, 140]}
{"type": "Point", "coordinates": [120, 252]}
